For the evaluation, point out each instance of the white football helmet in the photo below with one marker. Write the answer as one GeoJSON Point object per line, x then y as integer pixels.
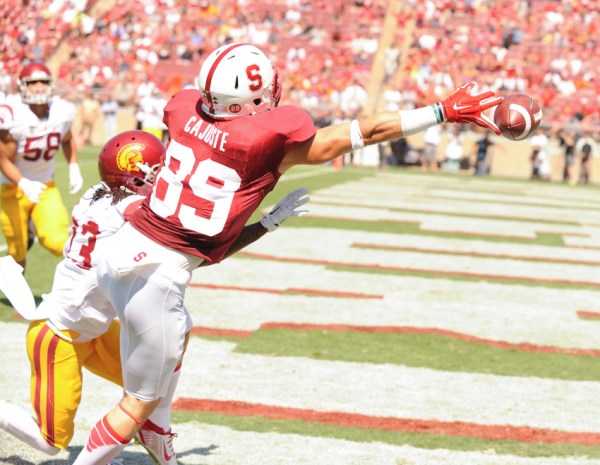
{"type": "Point", "coordinates": [35, 72]}
{"type": "Point", "coordinates": [238, 80]}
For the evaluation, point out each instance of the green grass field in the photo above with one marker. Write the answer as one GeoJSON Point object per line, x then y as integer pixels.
{"type": "Point", "coordinates": [409, 319]}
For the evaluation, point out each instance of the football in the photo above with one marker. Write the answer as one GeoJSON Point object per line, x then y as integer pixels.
{"type": "Point", "coordinates": [517, 116]}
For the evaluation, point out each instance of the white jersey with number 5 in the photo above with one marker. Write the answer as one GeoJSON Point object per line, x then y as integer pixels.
{"type": "Point", "coordinates": [38, 140]}
{"type": "Point", "coordinates": [75, 303]}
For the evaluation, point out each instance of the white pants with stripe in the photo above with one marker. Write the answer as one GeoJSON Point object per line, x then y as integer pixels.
{"type": "Point", "coordinates": [146, 283]}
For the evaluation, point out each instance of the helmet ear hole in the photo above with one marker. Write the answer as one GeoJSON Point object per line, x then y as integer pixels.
{"type": "Point", "coordinates": [257, 101]}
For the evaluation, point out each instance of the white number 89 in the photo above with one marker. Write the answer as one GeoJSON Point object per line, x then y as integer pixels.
{"type": "Point", "coordinates": [210, 182]}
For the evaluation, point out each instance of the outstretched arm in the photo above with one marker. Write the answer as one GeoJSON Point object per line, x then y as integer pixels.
{"type": "Point", "coordinates": [332, 141]}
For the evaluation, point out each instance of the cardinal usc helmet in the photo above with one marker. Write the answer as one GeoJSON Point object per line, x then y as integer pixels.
{"type": "Point", "coordinates": [30, 74]}
{"type": "Point", "coordinates": [238, 80]}
{"type": "Point", "coordinates": [129, 161]}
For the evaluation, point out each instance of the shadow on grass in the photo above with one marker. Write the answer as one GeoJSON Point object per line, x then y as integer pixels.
{"type": "Point", "coordinates": [127, 457]}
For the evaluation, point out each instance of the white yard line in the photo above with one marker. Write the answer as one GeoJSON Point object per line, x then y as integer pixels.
{"type": "Point", "coordinates": [492, 311]}
{"type": "Point", "coordinates": [388, 390]}
{"type": "Point", "coordinates": [336, 246]}
{"type": "Point", "coordinates": [409, 200]}
{"type": "Point", "coordinates": [223, 446]}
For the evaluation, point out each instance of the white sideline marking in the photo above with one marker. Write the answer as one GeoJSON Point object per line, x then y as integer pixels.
{"type": "Point", "coordinates": [387, 390]}
{"type": "Point", "coordinates": [491, 311]}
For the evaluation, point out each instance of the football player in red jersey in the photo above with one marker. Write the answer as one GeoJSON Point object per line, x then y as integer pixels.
{"type": "Point", "coordinates": [33, 127]}
{"type": "Point", "coordinates": [229, 144]}
{"type": "Point", "coordinates": [75, 328]}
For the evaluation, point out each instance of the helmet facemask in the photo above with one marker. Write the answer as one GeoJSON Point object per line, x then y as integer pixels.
{"type": "Point", "coordinates": [142, 185]}
{"type": "Point", "coordinates": [129, 162]}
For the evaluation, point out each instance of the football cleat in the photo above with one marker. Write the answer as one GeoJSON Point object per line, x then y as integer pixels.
{"type": "Point", "coordinates": [158, 443]}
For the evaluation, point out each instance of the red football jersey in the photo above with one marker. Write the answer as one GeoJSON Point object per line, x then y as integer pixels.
{"type": "Point", "coordinates": [215, 174]}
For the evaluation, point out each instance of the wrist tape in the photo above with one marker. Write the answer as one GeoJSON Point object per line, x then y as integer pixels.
{"type": "Point", "coordinates": [414, 121]}
{"type": "Point", "coordinates": [356, 137]}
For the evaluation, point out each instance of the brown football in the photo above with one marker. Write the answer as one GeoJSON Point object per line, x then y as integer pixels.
{"type": "Point", "coordinates": [518, 116]}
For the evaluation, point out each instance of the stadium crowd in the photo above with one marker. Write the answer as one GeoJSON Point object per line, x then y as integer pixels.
{"type": "Point", "coordinates": [324, 50]}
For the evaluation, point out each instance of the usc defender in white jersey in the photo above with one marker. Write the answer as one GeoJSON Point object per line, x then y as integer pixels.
{"type": "Point", "coordinates": [76, 326]}
{"type": "Point", "coordinates": [33, 127]}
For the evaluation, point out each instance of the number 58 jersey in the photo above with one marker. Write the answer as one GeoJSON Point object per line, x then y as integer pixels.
{"type": "Point", "coordinates": [38, 140]}
{"type": "Point", "coordinates": [76, 308]}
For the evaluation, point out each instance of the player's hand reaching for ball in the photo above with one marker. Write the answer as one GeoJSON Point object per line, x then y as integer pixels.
{"type": "Point", "coordinates": [462, 107]}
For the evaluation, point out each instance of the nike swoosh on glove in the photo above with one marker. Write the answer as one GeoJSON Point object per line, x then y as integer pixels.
{"type": "Point", "coordinates": [462, 107]}
{"type": "Point", "coordinates": [285, 208]}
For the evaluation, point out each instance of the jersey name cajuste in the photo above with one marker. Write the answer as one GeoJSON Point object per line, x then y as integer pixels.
{"type": "Point", "coordinates": [215, 174]}
{"type": "Point", "coordinates": [38, 140]}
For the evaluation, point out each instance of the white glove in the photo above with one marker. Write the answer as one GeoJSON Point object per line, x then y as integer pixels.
{"type": "Point", "coordinates": [285, 208]}
{"type": "Point", "coordinates": [32, 189]}
{"type": "Point", "coordinates": [75, 179]}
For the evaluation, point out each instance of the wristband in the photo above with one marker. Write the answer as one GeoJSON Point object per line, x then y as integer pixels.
{"type": "Point", "coordinates": [414, 121]}
{"type": "Point", "coordinates": [438, 109]}
{"type": "Point", "coordinates": [356, 137]}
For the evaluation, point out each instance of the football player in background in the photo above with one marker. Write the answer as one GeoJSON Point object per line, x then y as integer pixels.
{"type": "Point", "coordinates": [229, 145]}
{"type": "Point", "coordinates": [33, 127]}
{"type": "Point", "coordinates": [74, 326]}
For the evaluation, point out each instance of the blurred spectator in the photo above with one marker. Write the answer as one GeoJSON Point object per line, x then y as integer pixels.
{"type": "Point", "coordinates": [483, 156]}
{"type": "Point", "coordinates": [5, 82]}
{"type": "Point", "coordinates": [109, 110]}
{"type": "Point", "coordinates": [454, 149]}
{"type": "Point", "coordinates": [567, 139]}
{"type": "Point", "coordinates": [540, 167]}
{"type": "Point", "coordinates": [90, 112]}
{"type": "Point", "coordinates": [585, 149]}
{"type": "Point", "coordinates": [402, 153]}
{"type": "Point", "coordinates": [151, 111]}
{"type": "Point", "coordinates": [432, 138]}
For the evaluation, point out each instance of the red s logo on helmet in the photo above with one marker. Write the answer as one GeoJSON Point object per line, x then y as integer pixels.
{"type": "Point", "coordinates": [253, 73]}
